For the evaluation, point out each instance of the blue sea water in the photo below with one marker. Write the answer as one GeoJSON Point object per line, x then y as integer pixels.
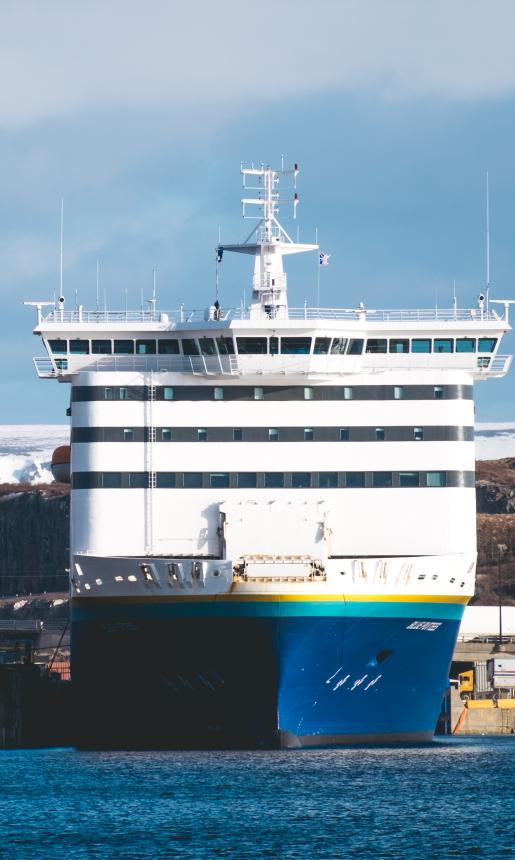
{"type": "Point", "coordinates": [454, 798]}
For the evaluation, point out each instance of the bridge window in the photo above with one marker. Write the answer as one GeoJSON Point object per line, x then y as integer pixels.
{"type": "Point", "coordinates": [355, 479]}
{"type": "Point", "coordinates": [145, 347]}
{"type": "Point", "coordinates": [101, 347]}
{"type": "Point", "coordinates": [484, 344]}
{"type": "Point", "coordinates": [409, 479]}
{"type": "Point", "coordinates": [321, 345]}
{"type": "Point", "coordinates": [436, 479]}
{"type": "Point", "coordinates": [123, 347]}
{"type": "Point", "coordinates": [328, 480]}
{"type": "Point", "coordinates": [225, 345]}
{"type": "Point", "coordinates": [202, 434]}
{"type": "Point", "coordinates": [252, 345]}
{"type": "Point", "coordinates": [295, 345]}
{"type": "Point", "coordinates": [112, 479]}
{"type": "Point", "coordinates": [421, 344]}
{"type": "Point", "coordinates": [218, 480]}
{"type": "Point", "coordinates": [207, 346]}
{"type": "Point", "coordinates": [355, 346]}
{"type": "Point", "coordinates": [273, 434]}
{"type": "Point", "coordinates": [376, 345]}
{"type": "Point", "coordinates": [274, 480]}
{"type": "Point", "coordinates": [300, 480]}
{"type": "Point", "coordinates": [246, 480]}
{"type": "Point", "coordinates": [338, 346]}
{"type": "Point", "coordinates": [165, 479]}
{"type": "Point", "coordinates": [192, 480]}
{"type": "Point", "coordinates": [168, 347]}
{"type": "Point", "coordinates": [189, 346]}
{"type": "Point", "coordinates": [465, 344]}
{"type": "Point", "coordinates": [58, 347]}
{"type": "Point", "coordinates": [218, 393]}
{"type": "Point", "coordinates": [418, 434]}
{"type": "Point", "coordinates": [308, 434]}
{"type": "Point", "coordinates": [443, 344]}
{"type": "Point", "coordinates": [79, 347]}
{"type": "Point", "coordinates": [399, 345]}
{"type": "Point", "coordinates": [382, 479]}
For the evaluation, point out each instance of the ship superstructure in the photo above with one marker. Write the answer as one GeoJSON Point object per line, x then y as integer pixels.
{"type": "Point", "coordinates": [273, 509]}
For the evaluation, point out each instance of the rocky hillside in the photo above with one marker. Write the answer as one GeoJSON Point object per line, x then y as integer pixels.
{"type": "Point", "coordinates": [34, 534]}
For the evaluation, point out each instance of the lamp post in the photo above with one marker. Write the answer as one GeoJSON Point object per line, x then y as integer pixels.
{"type": "Point", "coordinates": [501, 549]}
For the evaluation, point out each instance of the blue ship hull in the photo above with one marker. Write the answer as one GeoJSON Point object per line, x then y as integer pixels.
{"type": "Point", "coordinates": [259, 674]}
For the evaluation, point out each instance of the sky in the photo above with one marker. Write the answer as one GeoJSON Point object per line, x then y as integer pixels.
{"type": "Point", "coordinates": [139, 115]}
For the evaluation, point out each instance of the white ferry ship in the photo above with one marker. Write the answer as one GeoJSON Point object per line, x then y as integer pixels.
{"type": "Point", "coordinates": [273, 509]}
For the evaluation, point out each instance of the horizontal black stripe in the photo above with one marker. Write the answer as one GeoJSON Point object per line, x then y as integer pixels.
{"type": "Point", "coordinates": [81, 393]}
{"type": "Point", "coordinates": [261, 434]}
{"type": "Point", "coordinates": [320, 480]}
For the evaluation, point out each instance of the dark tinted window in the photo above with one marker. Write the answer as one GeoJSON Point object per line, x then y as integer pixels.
{"type": "Point", "coordinates": [247, 480]}
{"type": "Point", "coordinates": [382, 479]}
{"type": "Point", "coordinates": [355, 479]}
{"type": "Point", "coordinates": [189, 346]}
{"type": "Point", "coordinates": [207, 345]}
{"type": "Point", "coordinates": [138, 479]}
{"type": "Point", "coordinates": [60, 346]}
{"type": "Point", "coordinates": [295, 345]}
{"type": "Point", "coordinates": [165, 479]}
{"type": "Point", "coordinates": [328, 479]}
{"type": "Point", "coordinates": [438, 392]}
{"type": "Point", "coordinates": [146, 347]}
{"type": "Point", "coordinates": [421, 344]}
{"type": "Point", "coordinates": [251, 345]}
{"type": "Point", "coordinates": [166, 434]}
{"type": "Point", "coordinates": [321, 345]}
{"type": "Point", "coordinates": [300, 480]}
{"type": "Point", "coordinates": [237, 434]}
{"type": "Point", "coordinates": [225, 345]}
{"type": "Point", "coordinates": [168, 347]}
{"type": "Point", "coordinates": [101, 347]}
{"type": "Point", "coordinates": [274, 479]}
{"type": "Point", "coordinates": [443, 344]}
{"type": "Point", "coordinates": [123, 347]}
{"type": "Point", "coordinates": [338, 346]}
{"type": "Point", "coordinates": [355, 346]}
{"type": "Point", "coordinates": [409, 479]}
{"type": "Point", "coordinates": [486, 344]}
{"type": "Point", "coordinates": [380, 434]}
{"type": "Point", "coordinates": [219, 479]}
{"type": "Point", "coordinates": [308, 434]}
{"type": "Point", "coordinates": [344, 434]}
{"type": "Point", "coordinates": [273, 345]}
{"type": "Point", "coordinates": [465, 344]}
{"type": "Point", "coordinates": [399, 345]}
{"type": "Point", "coordinates": [112, 479]}
{"type": "Point", "coordinates": [376, 345]}
{"type": "Point", "coordinates": [192, 480]}
{"type": "Point", "coordinates": [436, 479]}
{"type": "Point", "coordinates": [79, 347]}
{"type": "Point", "coordinates": [202, 434]}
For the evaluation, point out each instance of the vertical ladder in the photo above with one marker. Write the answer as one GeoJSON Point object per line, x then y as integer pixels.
{"type": "Point", "coordinates": [149, 465]}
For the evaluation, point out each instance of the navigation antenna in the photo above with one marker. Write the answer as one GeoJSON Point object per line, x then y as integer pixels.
{"type": "Point", "coordinates": [487, 241]}
{"type": "Point", "coordinates": [268, 242]}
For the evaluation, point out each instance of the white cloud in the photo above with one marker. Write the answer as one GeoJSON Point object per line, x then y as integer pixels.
{"type": "Point", "coordinates": [60, 59]}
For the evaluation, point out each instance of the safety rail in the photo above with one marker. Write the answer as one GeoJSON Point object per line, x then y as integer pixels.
{"type": "Point", "coordinates": [182, 315]}
{"type": "Point", "coordinates": [271, 365]}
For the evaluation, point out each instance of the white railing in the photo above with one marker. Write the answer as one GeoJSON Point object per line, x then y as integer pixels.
{"type": "Point", "coordinates": [269, 365]}
{"type": "Point", "coordinates": [183, 315]}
